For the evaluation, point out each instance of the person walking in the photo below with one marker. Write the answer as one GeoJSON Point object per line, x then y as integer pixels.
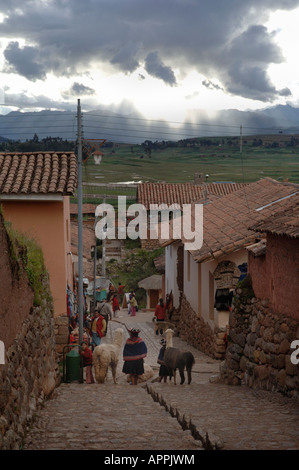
{"type": "Point", "coordinates": [163, 370]}
{"type": "Point", "coordinates": [160, 314]}
{"type": "Point", "coordinates": [133, 304]}
{"type": "Point", "coordinates": [115, 306]}
{"type": "Point", "coordinates": [120, 292]}
{"type": "Point", "coordinates": [105, 310]}
{"type": "Point", "coordinates": [110, 291]}
{"type": "Point", "coordinates": [134, 352]}
{"type": "Point", "coordinates": [87, 362]}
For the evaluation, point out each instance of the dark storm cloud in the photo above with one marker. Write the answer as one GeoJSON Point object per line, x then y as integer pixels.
{"type": "Point", "coordinates": [223, 40]}
{"type": "Point", "coordinates": [247, 58]}
{"type": "Point", "coordinates": [24, 61]}
{"type": "Point", "coordinates": [78, 89]}
{"type": "Point", "coordinates": [155, 67]}
{"type": "Point", "coordinates": [210, 85]}
{"type": "Point", "coordinates": [125, 58]}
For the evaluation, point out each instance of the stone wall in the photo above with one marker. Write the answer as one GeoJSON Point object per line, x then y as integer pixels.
{"type": "Point", "coordinates": [61, 328]}
{"type": "Point", "coordinates": [198, 333]}
{"type": "Point", "coordinates": [259, 347]}
{"type": "Point", "coordinates": [29, 375]}
{"type": "Point", "coordinates": [30, 371]}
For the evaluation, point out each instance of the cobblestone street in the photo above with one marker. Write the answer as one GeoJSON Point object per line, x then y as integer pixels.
{"type": "Point", "coordinates": [156, 416]}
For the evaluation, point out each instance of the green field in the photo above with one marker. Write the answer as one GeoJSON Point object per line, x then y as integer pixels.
{"type": "Point", "coordinates": [222, 159]}
{"type": "Point", "coordinates": [179, 164]}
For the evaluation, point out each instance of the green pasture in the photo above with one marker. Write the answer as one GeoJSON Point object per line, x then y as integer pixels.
{"type": "Point", "coordinates": [179, 164]}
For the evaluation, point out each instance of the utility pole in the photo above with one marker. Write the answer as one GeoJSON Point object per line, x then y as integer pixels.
{"type": "Point", "coordinates": [80, 223]}
{"type": "Point", "coordinates": [241, 140]}
{"type": "Point", "coordinates": [95, 276]}
{"type": "Point", "coordinates": [206, 193]}
{"type": "Point", "coordinates": [104, 249]}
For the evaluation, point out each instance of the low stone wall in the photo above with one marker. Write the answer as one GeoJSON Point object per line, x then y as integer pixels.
{"type": "Point", "coordinates": [259, 347]}
{"type": "Point", "coordinates": [195, 331]}
{"type": "Point", "coordinates": [29, 375]}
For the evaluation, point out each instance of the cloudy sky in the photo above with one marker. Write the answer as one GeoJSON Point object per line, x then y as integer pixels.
{"type": "Point", "coordinates": [161, 59]}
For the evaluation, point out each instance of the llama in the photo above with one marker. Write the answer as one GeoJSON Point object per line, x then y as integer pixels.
{"type": "Point", "coordinates": [107, 355]}
{"type": "Point", "coordinates": [175, 359]}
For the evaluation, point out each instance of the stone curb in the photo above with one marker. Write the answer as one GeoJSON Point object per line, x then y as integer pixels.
{"type": "Point", "coordinates": [208, 440]}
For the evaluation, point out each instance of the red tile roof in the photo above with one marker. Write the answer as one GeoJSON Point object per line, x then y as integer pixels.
{"type": "Point", "coordinates": [38, 173]}
{"type": "Point", "coordinates": [226, 221]}
{"type": "Point", "coordinates": [182, 193]}
{"type": "Point", "coordinates": [285, 222]}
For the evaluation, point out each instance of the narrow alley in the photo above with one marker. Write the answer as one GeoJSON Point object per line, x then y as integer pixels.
{"type": "Point", "coordinates": [156, 416]}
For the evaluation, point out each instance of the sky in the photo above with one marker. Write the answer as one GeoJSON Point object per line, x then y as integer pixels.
{"type": "Point", "coordinates": [159, 59]}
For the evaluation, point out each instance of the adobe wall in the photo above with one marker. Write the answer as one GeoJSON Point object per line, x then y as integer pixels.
{"type": "Point", "coordinates": [259, 346]}
{"type": "Point", "coordinates": [44, 221]}
{"type": "Point", "coordinates": [16, 293]}
{"type": "Point", "coordinates": [276, 275]}
{"type": "Point", "coordinates": [30, 372]}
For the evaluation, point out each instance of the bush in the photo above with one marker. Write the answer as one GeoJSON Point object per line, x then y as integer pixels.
{"type": "Point", "coordinates": [30, 256]}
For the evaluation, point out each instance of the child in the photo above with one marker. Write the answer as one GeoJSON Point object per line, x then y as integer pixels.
{"type": "Point", "coordinates": [163, 371]}
{"type": "Point", "coordinates": [87, 362]}
{"type": "Point", "coordinates": [133, 304]}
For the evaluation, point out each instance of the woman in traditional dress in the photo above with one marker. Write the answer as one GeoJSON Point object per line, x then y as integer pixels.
{"type": "Point", "coordinates": [134, 352]}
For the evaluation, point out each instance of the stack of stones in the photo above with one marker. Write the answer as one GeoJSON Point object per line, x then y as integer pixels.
{"type": "Point", "coordinates": [259, 347]}
{"type": "Point", "coordinates": [199, 334]}
{"type": "Point", "coordinates": [29, 375]}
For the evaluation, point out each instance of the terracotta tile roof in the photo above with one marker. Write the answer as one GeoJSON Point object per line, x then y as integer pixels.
{"type": "Point", "coordinates": [226, 221]}
{"type": "Point", "coordinates": [258, 249]}
{"type": "Point", "coordinates": [38, 173]}
{"type": "Point", "coordinates": [285, 222]}
{"type": "Point", "coordinates": [181, 193]}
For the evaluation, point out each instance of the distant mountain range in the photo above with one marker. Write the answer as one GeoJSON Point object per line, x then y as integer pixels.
{"type": "Point", "coordinates": [118, 128]}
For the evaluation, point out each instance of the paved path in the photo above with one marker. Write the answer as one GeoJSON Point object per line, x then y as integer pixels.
{"type": "Point", "coordinates": [154, 416]}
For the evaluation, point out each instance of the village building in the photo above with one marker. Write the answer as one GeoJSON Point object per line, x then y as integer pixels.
{"type": "Point", "coordinates": [167, 194]}
{"type": "Point", "coordinates": [35, 190]}
{"type": "Point", "coordinates": [153, 285]}
{"type": "Point", "coordinates": [264, 323]}
{"type": "Point", "coordinates": [273, 263]}
{"type": "Point", "coordinates": [203, 281]}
